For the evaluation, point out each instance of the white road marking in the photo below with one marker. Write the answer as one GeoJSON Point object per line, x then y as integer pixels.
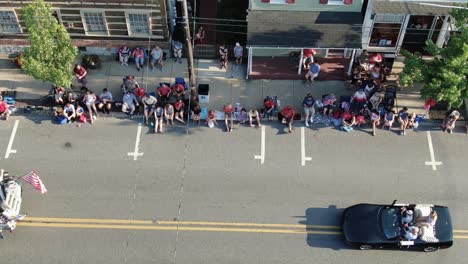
{"type": "Point", "coordinates": [432, 163]}
{"type": "Point", "coordinates": [136, 154]}
{"type": "Point", "coordinates": [261, 157]}
{"type": "Point", "coordinates": [303, 156]}
{"type": "Point", "coordinates": [12, 138]}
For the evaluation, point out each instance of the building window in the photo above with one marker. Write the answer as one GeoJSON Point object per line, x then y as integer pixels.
{"type": "Point", "coordinates": [9, 22]}
{"type": "Point", "coordinates": [386, 30]}
{"type": "Point", "coordinates": [138, 24]}
{"type": "Point", "coordinates": [95, 23]}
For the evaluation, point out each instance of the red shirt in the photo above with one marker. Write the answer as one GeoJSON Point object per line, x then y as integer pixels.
{"type": "Point", "coordinates": [139, 92]}
{"type": "Point", "coordinates": [308, 52]}
{"type": "Point", "coordinates": [228, 110]}
{"type": "Point", "coordinates": [288, 112]}
{"type": "Point", "coordinates": [179, 105]}
{"type": "Point", "coordinates": [81, 71]}
{"type": "Point", "coordinates": [269, 104]}
{"type": "Point", "coordinates": [164, 90]}
{"type": "Point", "coordinates": [3, 107]}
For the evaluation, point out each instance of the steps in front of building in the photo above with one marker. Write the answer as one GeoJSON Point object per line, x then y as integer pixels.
{"type": "Point", "coordinates": [205, 51]}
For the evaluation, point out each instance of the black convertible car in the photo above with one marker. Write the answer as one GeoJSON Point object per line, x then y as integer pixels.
{"type": "Point", "coordinates": [370, 226]}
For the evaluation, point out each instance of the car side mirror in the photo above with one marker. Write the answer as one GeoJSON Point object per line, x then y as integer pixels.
{"type": "Point", "coordinates": [406, 243]}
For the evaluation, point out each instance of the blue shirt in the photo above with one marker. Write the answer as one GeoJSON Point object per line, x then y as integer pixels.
{"type": "Point", "coordinates": [309, 102]}
{"type": "Point", "coordinates": [315, 68]}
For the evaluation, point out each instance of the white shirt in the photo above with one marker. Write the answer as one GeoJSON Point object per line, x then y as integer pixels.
{"type": "Point", "coordinates": [70, 108]}
{"type": "Point", "coordinates": [409, 235]}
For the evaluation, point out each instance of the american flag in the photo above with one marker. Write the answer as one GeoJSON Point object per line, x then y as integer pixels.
{"type": "Point", "coordinates": [33, 179]}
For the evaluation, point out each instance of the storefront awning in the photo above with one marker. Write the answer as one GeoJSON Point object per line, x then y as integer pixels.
{"type": "Point", "coordinates": [304, 29]}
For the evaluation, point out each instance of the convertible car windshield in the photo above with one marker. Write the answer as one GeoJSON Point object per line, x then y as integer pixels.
{"type": "Point", "coordinates": [391, 222]}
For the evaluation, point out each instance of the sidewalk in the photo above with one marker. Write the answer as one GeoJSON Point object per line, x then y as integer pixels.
{"type": "Point", "coordinates": [223, 88]}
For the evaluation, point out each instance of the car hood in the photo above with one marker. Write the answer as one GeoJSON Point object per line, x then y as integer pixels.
{"type": "Point", "coordinates": [361, 223]}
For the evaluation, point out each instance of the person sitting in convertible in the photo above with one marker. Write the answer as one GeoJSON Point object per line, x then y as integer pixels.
{"type": "Point", "coordinates": [428, 221]}
{"type": "Point", "coordinates": [412, 233]}
{"type": "Point", "coordinates": [406, 216]}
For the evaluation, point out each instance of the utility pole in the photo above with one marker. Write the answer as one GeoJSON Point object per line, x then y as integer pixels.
{"type": "Point", "coordinates": [188, 42]}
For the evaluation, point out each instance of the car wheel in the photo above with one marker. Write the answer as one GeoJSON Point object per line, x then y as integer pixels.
{"type": "Point", "coordinates": [365, 247]}
{"type": "Point", "coordinates": [430, 249]}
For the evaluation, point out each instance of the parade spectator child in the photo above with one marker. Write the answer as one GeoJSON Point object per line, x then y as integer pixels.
{"type": "Point", "coordinates": [69, 112]}
{"type": "Point", "coordinates": [448, 125]}
{"type": "Point", "coordinates": [307, 57]}
{"type": "Point", "coordinates": [200, 35]}
{"type": "Point", "coordinates": [179, 106]}
{"type": "Point", "coordinates": [169, 114]}
{"type": "Point", "coordinates": [158, 119]}
{"type": "Point", "coordinates": [211, 119]}
{"type": "Point", "coordinates": [254, 116]}
{"type": "Point", "coordinates": [139, 57]}
{"type": "Point", "coordinates": [270, 107]}
{"type": "Point", "coordinates": [348, 121]}
{"type": "Point", "coordinates": [428, 104]}
{"type": "Point", "coordinates": [336, 116]}
{"type": "Point", "coordinates": [243, 116]}
{"type": "Point", "coordinates": [177, 49]}
{"type": "Point", "coordinates": [105, 101]}
{"type": "Point", "coordinates": [358, 100]}
{"type": "Point", "coordinates": [375, 119]}
{"type": "Point", "coordinates": [90, 101]}
{"type": "Point", "coordinates": [196, 114]}
{"type": "Point", "coordinates": [81, 74]}
{"type": "Point", "coordinates": [124, 53]}
{"type": "Point", "coordinates": [389, 118]}
{"type": "Point", "coordinates": [228, 117]}
{"type": "Point", "coordinates": [4, 109]}
{"type": "Point", "coordinates": [313, 72]}
{"type": "Point", "coordinates": [288, 117]}
{"type": "Point", "coordinates": [59, 92]}
{"type": "Point", "coordinates": [403, 118]}
{"type": "Point", "coordinates": [80, 114]}
{"type": "Point", "coordinates": [309, 108]}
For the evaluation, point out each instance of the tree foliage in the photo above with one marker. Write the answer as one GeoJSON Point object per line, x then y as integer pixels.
{"type": "Point", "coordinates": [445, 75]}
{"type": "Point", "coordinates": [51, 53]}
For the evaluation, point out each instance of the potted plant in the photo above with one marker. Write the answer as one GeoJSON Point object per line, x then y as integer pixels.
{"type": "Point", "coordinates": [91, 61]}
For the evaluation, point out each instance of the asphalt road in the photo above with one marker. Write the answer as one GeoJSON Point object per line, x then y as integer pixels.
{"type": "Point", "coordinates": [206, 196]}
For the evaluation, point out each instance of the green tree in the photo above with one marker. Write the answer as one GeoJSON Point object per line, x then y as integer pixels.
{"type": "Point", "coordinates": [445, 75]}
{"type": "Point", "coordinates": [51, 53]}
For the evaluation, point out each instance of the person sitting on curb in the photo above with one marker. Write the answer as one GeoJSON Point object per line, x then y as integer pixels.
{"type": "Point", "coordinates": [164, 92]}
{"type": "Point", "coordinates": [59, 92]}
{"type": "Point", "coordinates": [90, 101]}
{"type": "Point", "coordinates": [196, 113]}
{"type": "Point", "coordinates": [178, 90]}
{"type": "Point", "coordinates": [270, 108]}
{"type": "Point", "coordinates": [254, 115]}
{"type": "Point", "coordinates": [389, 118]}
{"type": "Point", "coordinates": [228, 117]}
{"type": "Point", "coordinates": [375, 119]}
{"type": "Point", "coordinates": [124, 53]}
{"type": "Point", "coordinates": [211, 119]}
{"type": "Point", "coordinates": [139, 57]}
{"type": "Point", "coordinates": [243, 116]}
{"type": "Point", "coordinates": [4, 109]}
{"type": "Point", "coordinates": [348, 121]}
{"type": "Point", "coordinates": [158, 119]}
{"type": "Point", "coordinates": [129, 103]}
{"type": "Point", "coordinates": [288, 117]}
{"type": "Point", "coordinates": [157, 58]}
{"type": "Point", "coordinates": [69, 112]}
{"type": "Point", "coordinates": [149, 103]}
{"type": "Point", "coordinates": [80, 113]}
{"type": "Point", "coordinates": [403, 119]}
{"type": "Point", "coordinates": [309, 108]}
{"type": "Point", "coordinates": [105, 101]}
{"type": "Point", "coordinates": [169, 113]}
{"type": "Point", "coordinates": [448, 125]}
{"type": "Point", "coordinates": [179, 106]}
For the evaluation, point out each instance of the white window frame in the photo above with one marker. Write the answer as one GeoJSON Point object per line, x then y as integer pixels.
{"type": "Point", "coordinates": [335, 2]}
{"type": "Point", "coordinates": [129, 28]}
{"type": "Point", "coordinates": [17, 21]}
{"type": "Point", "coordinates": [85, 25]}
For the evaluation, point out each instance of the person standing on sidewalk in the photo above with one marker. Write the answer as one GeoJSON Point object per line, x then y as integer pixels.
{"type": "Point", "coordinates": [309, 108]}
{"type": "Point", "coordinates": [313, 72]}
{"type": "Point", "coordinates": [228, 117]}
{"type": "Point", "coordinates": [81, 75]}
{"type": "Point", "coordinates": [223, 57]}
{"type": "Point", "coordinates": [238, 53]}
{"type": "Point", "coordinates": [375, 119]}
